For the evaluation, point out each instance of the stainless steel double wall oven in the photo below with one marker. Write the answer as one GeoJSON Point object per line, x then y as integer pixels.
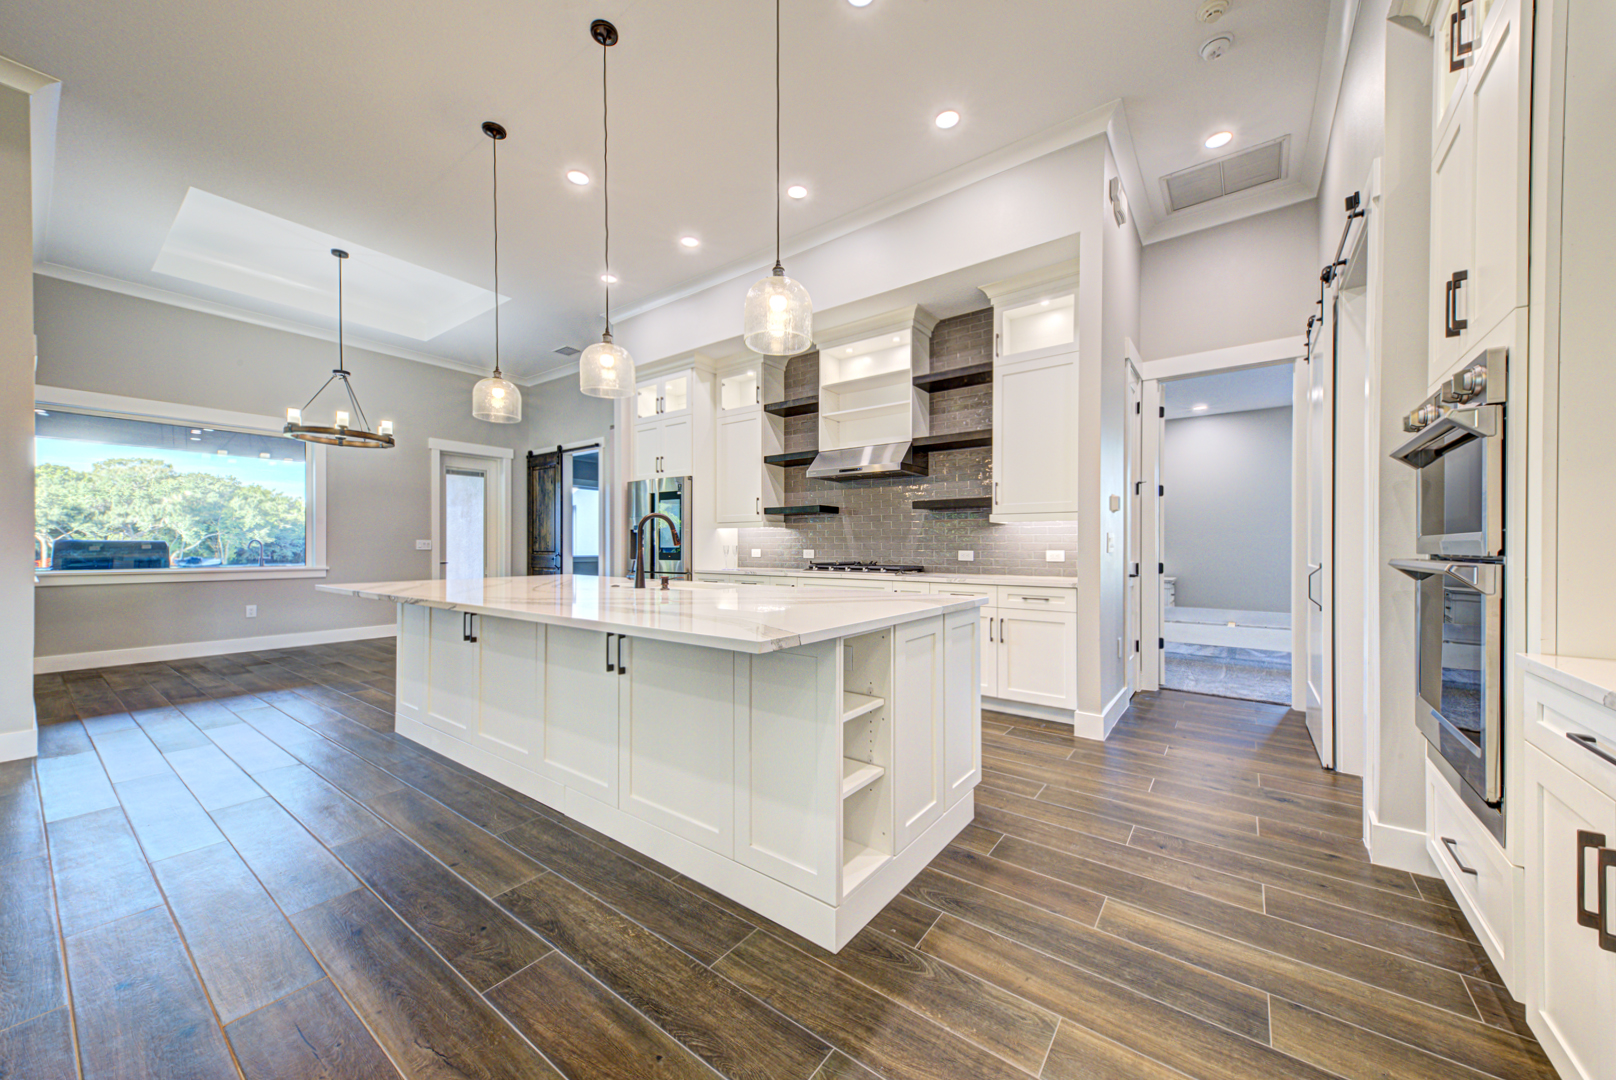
{"type": "Point", "coordinates": [1457, 453]}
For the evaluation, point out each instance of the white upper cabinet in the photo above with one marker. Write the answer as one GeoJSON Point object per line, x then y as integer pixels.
{"type": "Point", "coordinates": [1037, 327]}
{"type": "Point", "coordinates": [750, 385]}
{"type": "Point", "coordinates": [665, 425]}
{"type": "Point", "coordinates": [745, 484]}
{"type": "Point", "coordinates": [867, 372]}
{"type": "Point", "coordinates": [668, 396]}
{"type": "Point", "coordinates": [1479, 174]}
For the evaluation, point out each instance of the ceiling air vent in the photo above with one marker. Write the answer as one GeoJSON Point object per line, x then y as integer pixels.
{"type": "Point", "coordinates": [1238, 172]}
{"type": "Point", "coordinates": [567, 350]}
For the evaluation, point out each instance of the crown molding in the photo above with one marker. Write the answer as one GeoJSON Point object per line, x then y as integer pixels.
{"type": "Point", "coordinates": [24, 78]}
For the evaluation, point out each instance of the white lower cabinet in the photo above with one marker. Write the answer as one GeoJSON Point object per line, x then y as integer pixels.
{"type": "Point", "coordinates": [962, 704]}
{"type": "Point", "coordinates": [1028, 642]}
{"type": "Point", "coordinates": [580, 711]}
{"type": "Point", "coordinates": [1484, 882]}
{"type": "Point", "coordinates": [453, 673]}
{"type": "Point", "coordinates": [512, 681]}
{"type": "Point", "coordinates": [916, 708]}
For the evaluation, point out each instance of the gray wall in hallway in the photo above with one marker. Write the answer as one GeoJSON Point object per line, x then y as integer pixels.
{"type": "Point", "coordinates": [17, 737]}
{"type": "Point", "coordinates": [1227, 514]}
{"type": "Point", "coordinates": [378, 502]}
{"type": "Point", "coordinates": [876, 521]}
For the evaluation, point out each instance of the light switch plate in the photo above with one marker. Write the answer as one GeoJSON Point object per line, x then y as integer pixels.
{"type": "Point", "coordinates": [757, 553]}
{"type": "Point", "coordinates": [252, 611]}
{"type": "Point", "coordinates": [967, 556]}
{"type": "Point", "coordinates": [423, 545]}
{"type": "Point", "coordinates": [1054, 556]}
{"type": "Point", "coordinates": [1110, 542]}
{"type": "Point", "coordinates": [1116, 503]}
{"type": "Point", "coordinates": [807, 553]}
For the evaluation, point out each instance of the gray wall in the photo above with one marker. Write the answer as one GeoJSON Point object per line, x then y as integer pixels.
{"type": "Point", "coordinates": [16, 428]}
{"type": "Point", "coordinates": [378, 502]}
{"type": "Point", "coordinates": [1248, 281]}
{"type": "Point", "coordinates": [1227, 515]}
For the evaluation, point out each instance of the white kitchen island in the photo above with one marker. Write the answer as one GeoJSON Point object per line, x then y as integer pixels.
{"type": "Point", "coordinates": [804, 751]}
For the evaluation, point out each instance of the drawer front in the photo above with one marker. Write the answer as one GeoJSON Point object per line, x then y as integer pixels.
{"type": "Point", "coordinates": [1573, 731]}
{"type": "Point", "coordinates": [1037, 598]}
{"type": "Point", "coordinates": [1459, 844]}
{"type": "Point", "coordinates": [844, 581]}
{"type": "Point", "coordinates": [910, 587]}
{"type": "Point", "coordinates": [940, 588]}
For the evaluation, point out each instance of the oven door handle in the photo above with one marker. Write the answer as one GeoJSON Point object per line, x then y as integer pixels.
{"type": "Point", "coordinates": [1424, 448]}
{"type": "Point", "coordinates": [1480, 577]}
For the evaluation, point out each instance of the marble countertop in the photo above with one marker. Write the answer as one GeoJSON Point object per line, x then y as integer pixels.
{"type": "Point", "coordinates": [1024, 580]}
{"type": "Point", "coordinates": [1585, 677]}
{"type": "Point", "coordinates": [757, 619]}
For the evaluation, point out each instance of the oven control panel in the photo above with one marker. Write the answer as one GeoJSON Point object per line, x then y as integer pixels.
{"type": "Point", "coordinates": [1481, 383]}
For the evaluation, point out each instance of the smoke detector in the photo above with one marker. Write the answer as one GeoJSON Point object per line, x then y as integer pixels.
{"type": "Point", "coordinates": [1213, 10]}
{"type": "Point", "coordinates": [1216, 47]}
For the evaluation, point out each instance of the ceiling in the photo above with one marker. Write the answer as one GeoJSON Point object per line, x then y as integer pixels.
{"type": "Point", "coordinates": [1230, 391]}
{"type": "Point", "coordinates": [361, 121]}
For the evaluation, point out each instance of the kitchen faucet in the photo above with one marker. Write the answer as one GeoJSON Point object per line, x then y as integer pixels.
{"type": "Point", "coordinates": [639, 544]}
{"type": "Point", "coordinates": [260, 544]}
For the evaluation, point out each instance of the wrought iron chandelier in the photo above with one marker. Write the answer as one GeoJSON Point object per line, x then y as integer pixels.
{"type": "Point", "coordinates": [342, 431]}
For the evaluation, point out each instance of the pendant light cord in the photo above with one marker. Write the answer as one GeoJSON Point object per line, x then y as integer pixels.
{"type": "Point", "coordinates": [342, 361]}
{"type": "Point", "coordinates": [606, 178]}
{"type": "Point", "coordinates": [777, 176]}
{"type": "Point", "coordinates": [497, 373]}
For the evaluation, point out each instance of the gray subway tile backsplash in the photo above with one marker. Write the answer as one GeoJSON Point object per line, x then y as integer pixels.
{"type": "Point", "coordinates": [876, 522]}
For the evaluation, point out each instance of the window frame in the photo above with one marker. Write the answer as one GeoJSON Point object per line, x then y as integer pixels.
{"type": "Point", "coordinates": [165, 412]}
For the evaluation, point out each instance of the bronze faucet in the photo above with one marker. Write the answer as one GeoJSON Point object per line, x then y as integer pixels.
{"type": "Point", "coordinates": [639, 543]}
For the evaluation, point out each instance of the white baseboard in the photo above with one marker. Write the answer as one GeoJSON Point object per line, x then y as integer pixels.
{"type": "Point", "coordinates": [15, 745]}
{"type": "Point", "coordinates": [1098, 725]}
{"type": "Point", "coordinates": [1399, 847]}
{"type": "Point", "coordinates": [1031, 712]}
{"type": "Point", "coordinates": [186, 650]}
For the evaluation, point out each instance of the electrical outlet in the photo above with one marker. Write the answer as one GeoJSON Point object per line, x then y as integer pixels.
{"type": "Point", "coordinates": [967, 556]}
{"type": "Point", "coordinates": [1054, 556]}
{"type": "Point", "coordinates": [1110, 543]}
{"type": "Point", "coordinates": [423, 545]}
{"type": "Point", "coordinates": [807, 553]}
{"type": "Point", "coordinates": [757, 553]}
{"type": "Point", "coordinates": [252, 611]}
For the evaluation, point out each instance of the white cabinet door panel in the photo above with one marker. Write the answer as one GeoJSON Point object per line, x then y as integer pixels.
{"type": "Point", "coordinates": [1038, 657]}
{"type": "Point", "coordinates": [647, 450]}
{"type": "Point", "coordinates": [580, 711]}
{"type": "Point", "coordinates": [1035, 451]}
{"type": "Point", "coordinates": [676, 446]}
{"type": "Point", "coordinates": [512, 722]}
{"type": "Point", "coordinates": [452, 681]}
{"type": "Point", "coordinates": [740, 469]}
{"type": "Point", "coordinates": [988, 636]}
{"type": "Point", "coordinates": [916, 716]}
{"type": "Point", "coordinates": [1502, 162]}
{"type": "Point", "coordinates": [413, 649]}
{"type": "Point", "coordinates": [676, 740]}
{"type": "Point", "coordinates": [962, 702]}
{"type": "Point", "coordinates": [1452, 225]}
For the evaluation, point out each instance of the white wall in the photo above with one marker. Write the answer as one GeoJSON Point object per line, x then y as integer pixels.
{"type": "Point", "coordinates": [1251, 280]}
{"type": "Point", "coordinates": [17, 731]}
{"type": "Point", "coordinates": [378, 501]}
{"type": "Point", "coordinates": [1227, 518]}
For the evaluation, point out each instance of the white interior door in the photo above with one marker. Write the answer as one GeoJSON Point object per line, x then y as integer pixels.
{"type": "Point", "coordinates": [1134, 447]}
{"type": "Point", "coordinates": [1320, 530]}
{"type": "Point", "coordinates": [467, 510]}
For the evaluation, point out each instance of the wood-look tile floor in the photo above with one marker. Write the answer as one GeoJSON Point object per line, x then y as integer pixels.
{"type": "Point", "coordinates": [231, 866]}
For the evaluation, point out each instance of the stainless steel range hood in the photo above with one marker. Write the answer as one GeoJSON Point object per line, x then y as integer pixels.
{"type": "Point", "coordinates": [859, 462]}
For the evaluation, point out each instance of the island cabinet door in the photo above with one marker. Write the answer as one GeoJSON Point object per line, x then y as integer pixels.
{"type": "Point", "coordinates": [788, 732]}
{"type": "Point", "coordinates": [580, 711]}
{"type": "Point", "coordinates": [962, 704]}
{"type": "Point", "coordinates": [452, 673]}
{"type": "Point", "coordinates": [511, 723]}
{"type": "Point", "coordinates": [676, 740]}
{"type": "Point", "coordinates": [918, 653]}
{"type": "Point", "coordinates": [410, 697]}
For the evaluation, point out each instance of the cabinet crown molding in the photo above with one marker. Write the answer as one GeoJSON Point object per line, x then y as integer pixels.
{"type": "Point", "coordinates": [912, 317]}
{"type": "Point", "coordinates": [1061, 275]}
{"type": "Point", "coordinates": [678, 362]}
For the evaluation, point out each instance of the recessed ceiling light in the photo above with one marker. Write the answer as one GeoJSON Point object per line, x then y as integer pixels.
{"type": "Point", "coordinates": [577, 177]}
{"type": "Point", "coordinates": [947, 118]}
{"type": "Point", "coordinates": [797, 191]}
{"type": "Point", "coordinates": [265, 454]}
{"type": "Point", "coordinates": [196, 431]}
{"type": "Point", "coordinates": [196, 438]}
{"type": "Point", "coordinates": [221, 453]}
{"type": "Point", "coordinates": [610, 279]}
{"type": "Point", "coordinates": [689, 241]}
{"type": "Point", "coordinates": [859, 3]}
{"type": "Point", "coordinates": [1222, 138]}
{"type": "Point", "coordinates": [1199, 408]}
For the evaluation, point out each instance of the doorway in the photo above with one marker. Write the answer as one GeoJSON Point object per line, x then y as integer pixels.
{"type": "Point", "coordinates": [566, 531]}
{"type": "Point", "coordinates": [585, 531]}
{"type": "Point", "coordinates": [470, 510]}
{"type": "Point", "coordinates": [1226, 527]}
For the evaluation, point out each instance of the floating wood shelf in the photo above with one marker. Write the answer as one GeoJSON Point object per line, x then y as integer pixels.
{"type": "Point", "coordinates": [981, 503]}
{"type": "Point", "coordinates": [799, 511]}
{"type": "Point", "coordinates": [955, 378]}
{"type": "Point", "coordinates": [856, 705]}
{"type": "Point", "coordinates": [959, 440]}
{"type": "Point", "coordinates": [858, 775]}
{"type": "Point", "coordinates": [793, 407]}
{"type": "Point", "coordinates": [800, 457]}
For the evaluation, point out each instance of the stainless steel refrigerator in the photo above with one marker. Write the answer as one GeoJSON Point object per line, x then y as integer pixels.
{"type": "Point", "coordinates": [668, 495]}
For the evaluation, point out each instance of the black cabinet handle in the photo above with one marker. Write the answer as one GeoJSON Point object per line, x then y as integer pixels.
{"type": "Point", "coordinates": [1586, 840]}
{"type": "Point", "coordinates": [622, 668]}
{"type": "Point", "coordinates": [471, 623]}
{"type": "Point", "coordinates": [1590, 744]}
{"type": "Point", "coordinates": [1452, 325]}
{"type": "Point", "coordinates": [1607, 860]}
{"type": "Point", "coordinates": [1453, 851]}
{"type": "Point", "coordinates": [1459, 49]}
{"type": "Point", "coordinates": [1310, 574]}
{"type": "Point", "coordinates": [609, 665]}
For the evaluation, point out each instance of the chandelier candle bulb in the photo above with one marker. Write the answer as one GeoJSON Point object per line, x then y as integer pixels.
{"type": "Point", "coordinates": [386, 428]}
{"type": "Point", "coordinates": [342, 418]}
{"type": "Point", "coordinates": [294, 416]}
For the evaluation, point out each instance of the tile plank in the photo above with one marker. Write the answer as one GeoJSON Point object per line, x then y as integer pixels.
{"type": "Point", "coordinates": [31, 980]}
{"type": "Point", "coordinates": [213, 778]}
{"type": "Point", "coordinates": [167, 818]}
{"type": "Point", "coordinates": [39, 1049]}
{"type": "Point", "coordinates": [486, 861]}
{"type": "Point", "coordinates": [308, 1035]}
{"type": "Point", "coordinates": [74, 784]}
{"type": "Point", "coordinates": [323, 810]}
{"type": "Point", "coordinates": [22, 821]}
{"type": "Point", "coordinates": [293, 866]}
{"type": "Point", "coordinates": [100, 873]}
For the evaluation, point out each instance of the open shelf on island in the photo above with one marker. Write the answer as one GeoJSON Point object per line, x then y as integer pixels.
{"type": "Point", "coordinates": [959, 440]}
{"type": "Point", "coordinates": [799, 511]}
{"type": "Point", "coordinates": [858, 775]}
{"type": "Point", "coordinates": [793, 407]}
{"type": "Point", "coordinates": [953, 379]}
{"type": "Point", "coordinates": [981, 502]}
{"type": "Point", "coordinates": [856, 705]}
{"type": "Point", "coordinates": [798, 457]}
{"type": "Point", "coordinates": [858, 863]}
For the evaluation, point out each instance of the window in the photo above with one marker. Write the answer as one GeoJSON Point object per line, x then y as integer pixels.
{"type": "Point", "coordinates": [119, 495]}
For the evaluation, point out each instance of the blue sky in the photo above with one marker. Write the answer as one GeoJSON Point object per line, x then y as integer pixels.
{"type": "Point", "coordinates": [285, 477]}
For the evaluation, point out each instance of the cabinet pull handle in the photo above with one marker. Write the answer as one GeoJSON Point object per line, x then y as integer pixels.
{"type": "Point", "coordinates": [990, 625]}
{"type": "Point", "coordinates": [1452, 325]}
{"type": "Point", "coordinates": [465, 626]}
{"type": "Point", "coordinates": [757, 395]}
{"type": "Point", "coordinates": [1590, 744]}
{"type": "Point", "coordinates": [1453, 851]}
{"type": "Point", "coordinates": [995, 493]}
{"type": "Point", "coordinates": [1586, 840]}
{"type": "Point", "coordinates": [1458, 48]}
{"type": "Point", "coordinates": [622, 668]}
{"type": "Point", "coordinates": [609, 665]}
{"type": "Point", "coordinates": [1606, 860]}
{"type": "Point", "coordinates": [995, 343]}
{"type": "Point", "coordinates": [1001, 630]}
{"type": "Point", "coordinates": [1039, 599]}
{"type": "Point", "coordinates": [759, 503]}
{"type": "Point", "coordinates": [470, 625]}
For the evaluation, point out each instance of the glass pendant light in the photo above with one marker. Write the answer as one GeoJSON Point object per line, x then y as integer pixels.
{"type": "Point", "coordinates": [606, 369]}
{"type": "Point", "coordinates": [779, 316]}
{"type": "Point", "coordinates": [496, 399]}
{"type": "Point", "coordinates": [342, 431]}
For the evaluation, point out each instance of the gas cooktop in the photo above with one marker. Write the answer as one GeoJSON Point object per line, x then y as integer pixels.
{"type": "Point", "coordinates": [867, 567]}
